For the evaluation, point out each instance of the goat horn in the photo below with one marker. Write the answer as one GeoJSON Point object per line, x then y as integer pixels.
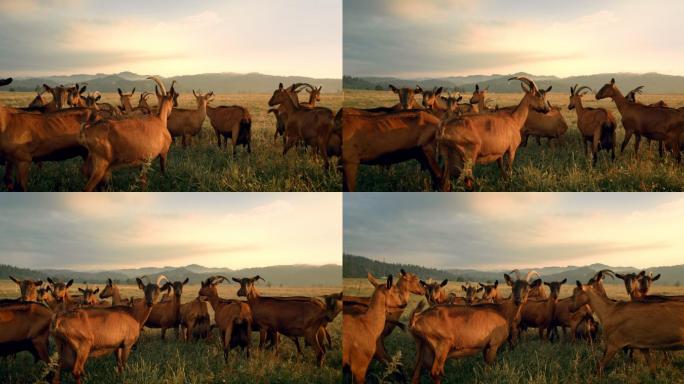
{"type": "Point", "coordinates": [145, 277]}
{"type": "Point", "coordinates": [639, 89]}
{"type": "Point", "coordinates": [606, 272]}
{"type": "Point", "coordinates": [577, 91]}
{"type": "Point", "coordinates": [159, 83]}
{"type": "Point", "coordinates": [517, 273]}
{"type": "Point", "coordinates": [160, 278]}
{"type": "Point", "coordinates": [527, 81]}
{"type": "Point", "coordinates": [530, 273]}
{"type": "Point", "coordinates": [223, 277]}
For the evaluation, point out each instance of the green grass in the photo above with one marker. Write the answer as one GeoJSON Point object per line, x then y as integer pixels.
{"type": "Point", "coordinates": [203, 166]}
{"type": "Point", "coordinates": [177, 362]}
{"type": "Point", "coordinates": [531, 361]}
{"type": "Point", "coordinates": [540, 168]}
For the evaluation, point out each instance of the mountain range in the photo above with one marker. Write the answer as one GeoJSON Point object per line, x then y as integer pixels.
{"type": "Point", "coordinates": [217, 82]}
{"type": "Point", "coordinates": [328, 275]}
{"type": "Point", "coordinates": [653, 82]}
{"type": "Point", "coordinates": [358, 266]}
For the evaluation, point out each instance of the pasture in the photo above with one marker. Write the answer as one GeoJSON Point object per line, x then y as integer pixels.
{"type": "Point", "coordinates": [532, 361]}
{"type": "Point", "coordinates": [562, 167]}
{"type": "Point", "coordinates": [176, 361]}
{"type": "Point", "coordinates": [203, 166]}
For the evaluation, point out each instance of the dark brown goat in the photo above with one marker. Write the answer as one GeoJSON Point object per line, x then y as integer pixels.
{"type": "Point", "coordinates": [28, 288]}
{"type": "Point", "coordinates": [166, 314]}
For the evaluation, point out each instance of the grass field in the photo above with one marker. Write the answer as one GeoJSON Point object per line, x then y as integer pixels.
{"type": "Point", "coordinates": [532, 361]}
{"type": "Point", "coordinates": [540, 168]}
{"type": "Point", "coordinates": [172, 361]}
{"type": "Point", "coordinates": [203, 166]}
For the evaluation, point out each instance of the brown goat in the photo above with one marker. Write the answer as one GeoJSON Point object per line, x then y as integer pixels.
{"type": "Point", "coordinates": [112, 290]}
{"type": "Point", "coordinates": [93, 332]}
{"type": "Point", "coordinates": [166, 314]}
{"type": "Point", "coordinates": [408, 283]}
{"type": "Point", "coordinates": [540, 313]}
{"type": "Point", "coordinates": [25, 326]}
{"type": "Point", "coordinates": [75, 96]}
{"type": "Point", "coordinates": [125, 99]}
{"type": "Point", "coordinates": [232, 317]}
{"type": "Point", "coordinates": [194, 319]}
{"type": "Point", "coordinates": [28, 288]}
{"type": "Point", "coordinates": [186, 123]}
{"type": "Point", "coordinates": [234, 123]}
{"type": "Point", "coordinates": [597, 125]}
{"type": "Point", "coordinates": [435, 292]}
{"type": "Point", "coordinates": [550, 125]}
{"type": "Point", "coordinates": [630, 324]}
{"type": "Point", "coordinates": [484, 138]}
{"type": "Point", "coordinates": [631, 97]}
{"type": "Point", "coordinates": [491, 292]}
{"type": "Point", "coordinates": [453, 331]}
{"type": "Point", "coordinates": [387, 138]}
{"type": "Point", "coordinates": [313, 126]}
{"type": "Point", "coordinates": [128, 142]}
{"type": "Point", "coordinates": [60, 94]}
{"type": "Point", "coordinates": [60, 292]}
{"type": "Point", "coordinates": [89, 298]}
{"type": "Point", "coordinates": [362, 330]}
{"type": "Point", "coordinates": [290, 316]}
{"type": "Point", "coordinates": [407, 99]}
{"type": "Point", "coordinates": [654, 123]}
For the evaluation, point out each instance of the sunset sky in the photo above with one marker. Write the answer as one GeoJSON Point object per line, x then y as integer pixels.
{"type": "Point", "coordinates": [414, 39]}
{"type": "Point", "coordinates": [275, 37]}
{"type": "Point", "coordinates": [119, 230]}
{"type": "Point", "coordinates": [493, 231]}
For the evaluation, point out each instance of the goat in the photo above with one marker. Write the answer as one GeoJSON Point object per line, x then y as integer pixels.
{"type": "Point", "coordinates": [407, 99]}
{"type": "Point", "coordinates": [643, 285]}
{"type": "Point", "coordinates": [112, 290]}
{"type": "Point", "coordinates": [93, 332]}
{"type": "Point", "coordinates": [313, 126]}
{"type": "Point", "coordinates": [491, 292]}
{"type": "Point", "coordinates": [630, 324]}
{"type": "Point", "coordinates": [88, 297]}
{"type": "Point", "coordinates": [25, 327]}
{"type": "Point", "coordinates": [479, 98]}
{"type": "Point", "coordinates": [234, 123]}
{"type": "Point", "coordinates": [435, 292]}
{"type": "Point", "coordinates": [387, 138]}
{"type": "Point", "coordinates": [194, 319]}
{"type": "Point", "coordinates": [60, 292]}
{"type": "Point", "coordinates": [597, 125]}
{"type": "Point", "coordinates": [166, 314]}
{"type": "Point", "coordinates": [484, 138]}
{"type": "Point", "coordinates": [550, 125]}
{"type": "Point", "coordinates": [129, 142]}
{"type": "Point", "coordinates": [453, 331]}
{"type": "Point", "coordinates": [655, 123]}
{"type": "Point", "coordinates": [362, 330]}
{"type": "Point", "coordinates": [407, 283]}
{"type": "Point", "coordinates": [314, 96]}
{"type": "Point", "coordinates": [290, 316]}
{"type": "Point", "coordinates": [75, 96]}
{"type": "Point", "coordinates": [60, 94]}
{"type": "Point", "coordinates": [125, 100]}
{"type": "Point", "coordinates": [232, 317]}
{"type": "Point", "coordinates": [631, 97]}
{"type": "Point", "coordinates": [540, 313]}
{"type": "Point", "coordinates": [28, 288]}
{"type": "Point", "coordinates": [186, 123]}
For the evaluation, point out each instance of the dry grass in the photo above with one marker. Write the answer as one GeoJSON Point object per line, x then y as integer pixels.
{"type": "Point", "coordinates": [205, 167]}
{"type": "Point", "coordinates": [532, 361]}
{"type": "Point", "coordinates": [173, 361]}
{"type": "Point", "coordinates": [540, 168]}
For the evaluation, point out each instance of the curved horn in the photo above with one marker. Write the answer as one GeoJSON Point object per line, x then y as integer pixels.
{"type": "Point", "coordinates": [605, 272]}
{"type": "Point", "coordinates": [580, 89]}
{"type": "Point", "coordinates": [162, 277]}
{"type": "Point", "coordinates": [223, 277]}
{"type": "Point", "coordinates": [145, 277]}
{"type": "Point", "coordinates": [639, 89]}
{"type": "Point", "coordinates": [159, 83]}
{"type": "Point", "coordinates": [530, 273]}
{"type": "Point", "coordinates": [527, 81]}
{"type": "Point", "coordinates": [517, 273]}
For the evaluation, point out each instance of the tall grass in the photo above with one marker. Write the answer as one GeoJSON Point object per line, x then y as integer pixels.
{"type": "Point", "coordinates": [540, 168]}
{"type": "Point", "coordinates": [531, 361]}
{"type": "Point", "coordinates": [172, 361]}
{"type": "Point", "coordinates": [203, 166]}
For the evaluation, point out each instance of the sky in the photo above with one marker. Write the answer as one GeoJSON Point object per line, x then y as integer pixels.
{"type": "Point", "coordinates": [275, 37]}
{"type": "Point", "coordinates": [494, 231]}
{"type": "Point", "coordinates": [415, 39]}
{"type": "Point", "coordinates": [119, 230]}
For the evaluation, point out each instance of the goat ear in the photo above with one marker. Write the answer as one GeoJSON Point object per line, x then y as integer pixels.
{"type": "Point", "coordinates": [109, 281]}
{"type": "Point", "coordinates": [372, 280]}
{"type": "Point", "coordinates": [403, 273]}
{"type": "Point", "coordinates": [564, 281]}
{"type": "Point", "coordinates": [50, 280]}
{"type": "Point", "coordinates": [119, 90]}
{"type": "Point", "coordinates": [83, 88]}
{"type": "Point", "coordinates": [463, 287]}
{"type": "Point", "coordinates": [47, 87]}
{"type": "Point", "coordinates": [187, 279]}
{"type": "Point", "coordinates": [508, 279]}
{"type": "Point", "coordinates": [81, 290]}
{"type": "Point", "coordinates": [547, 284]}
{"type": "Point", "coordinates": [549, 89]}
{"type": "Point", "coordinates": [69, 283]}
{"type": "Point", "coordinates": [15, 280]}
{"type": "Point", "coordinates": [477, 87]}
{"type": "Point", "coordinates": [496, 283]}
{"type": "Point", "coordinates": [459, 98]}
{"type": "Point", "coordinates": [444, 282]}
{"type": "Point", "coordinates": [422, 283]}
{"type": "Point", "coordinates": [40, 282]}
{"type": "Point", "coordinates": [657, 277]}
{"type": "Point", "coordinates": [612, 81]}
{"type": "Point", "coordinates": [140, 283]}
{"type": "Point", "coordinates": [480, 284]}
{"type": "Point", "coordinates": [393, 88]}
{"type": "Point", "coordinates": [619, 276]}
{"type": "Point", "coordinates": [98, 98]}
{"type": "Point", "coordinates": [479, 289]}
{"type": "Point", "coordinates": [280, 86]}
{"type": "Point", "coordinates": [96, 290]}
{"type": "Point", "coordinates": [438, 91]}
{"type": "Point", "coordinates": [389, 281]}
{"type": "Point", "coordinates": [133, 92]}
{"type": "Point", "coordinates": [236, 280]}
{"type": "Point", "coordinates": [579, 285]}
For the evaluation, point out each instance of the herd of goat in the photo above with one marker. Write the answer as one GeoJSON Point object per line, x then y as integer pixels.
{"type": "Point", "coordinates": [83, 326]}
{"type": "Point", "coordinates": [464, 134]}
{"type": "Point", "coordinates": [454, 326]}
{"type": "Point", "coordinates": [74, 123]}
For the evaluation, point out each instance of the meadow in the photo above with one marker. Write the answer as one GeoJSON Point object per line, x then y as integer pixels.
{"type": "Point", "coordinates": [173, 361]}
{"type": "Point", "coordinates": [532, 361]}
{"type": "Point", "coordinates": [562, 167]}
{"type": "Point", "coordinates": [203, 166]}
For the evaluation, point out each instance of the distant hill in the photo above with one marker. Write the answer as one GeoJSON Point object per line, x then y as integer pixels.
{"type": "Point", "coordinates": [328, 275]}
{"type": "Point", "coordinates": [358, 266]}
{"type": "Point", "coordinates": [217, 82]}
{"type": "Point", "coordinates": [653, 82]}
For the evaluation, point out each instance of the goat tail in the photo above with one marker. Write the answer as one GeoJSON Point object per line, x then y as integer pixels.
{"type": "Point", "coordinates": [415, 312]}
